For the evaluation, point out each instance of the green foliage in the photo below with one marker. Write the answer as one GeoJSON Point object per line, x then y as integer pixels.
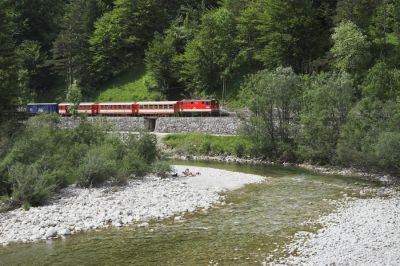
{"type": "Point", "coordinates": [145, 145]}
{"type": "Point", "coordinates": [98, 165]}
{"type": "Point", "coordinates": [135, 84]}
{"type": "Point", "coordinates": [203, 144]}
{"type": "Point", "coordinates": [71, 57]}
{"type": "Point", "coordinates": [210, 56]}
{"type": "Point", "coordinates": [45, 158]}
{"type": "Point", "coordinates": [372, 125]}
{"type": "Point", "coordinates": [74, 96]}
{"type": "Point", "coordinates": [350, 48]}
{"type": "Point", "coordinates": [30, 183]}
{"type": "Point", "coordinates": [275, 101]}
{"type": "Point", "coordinates": [160, 58]}
{"type": "Point", "coordinates": [162, 168]}
{"type": "Point", "coordinates": [327, 99]}
{"type": "Point", "coordinates": [12, 75]}
{"type": "Point", "coordinates": [121, 36]}
{"type": "Point", "coordinates": [382, 82]}
{"type": "Point", "coordinates": [388, 151]}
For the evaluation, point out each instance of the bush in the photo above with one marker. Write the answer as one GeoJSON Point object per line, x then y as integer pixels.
{"type": "Point", "coordinates": [50, 158]}
{"type": "Point", "coordinates": [133, 165]}
{"type": "Point", "coordinates": [97, 166]}
{"type": "Point", "coordinates": [161, 168]}
{"type": "Point", "coordinates": [145, 145]}
{"type": "Point", "coordinates": [387, 151]}
{"type": "Point", "coordinates": [204, 144]}
{"type": "Point", "coordinates": [31, 184]}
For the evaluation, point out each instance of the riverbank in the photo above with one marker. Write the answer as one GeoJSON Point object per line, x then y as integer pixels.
{"type": "Point", "coordinates": [360, 232]}
{"type": "Point", "coordinates": [74, 209]}
{"type": "Point", "coordinates": [384, 179]}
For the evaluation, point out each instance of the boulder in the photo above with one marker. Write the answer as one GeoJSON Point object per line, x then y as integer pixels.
{"type": "Point", "coordinates": [51, 232]}
{"type": "Point", "coordinates": [64, 232]}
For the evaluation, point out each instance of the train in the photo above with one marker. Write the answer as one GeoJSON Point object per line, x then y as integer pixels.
{"type": "Point", "coordinates": [150, 108]}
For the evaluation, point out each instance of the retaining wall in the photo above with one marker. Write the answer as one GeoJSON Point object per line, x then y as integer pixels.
{"type": "Point", "coordinates": [121, 123]}
{"type": "Point", "coordinates": [211, 125]}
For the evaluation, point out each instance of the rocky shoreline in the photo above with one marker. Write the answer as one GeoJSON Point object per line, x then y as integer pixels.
{"type": "Point", "coordinates": [74, 209]}
{"type": "Point", "coordinates": [351, 172]}
{"type": "Point", "coordinates": [359, 232]}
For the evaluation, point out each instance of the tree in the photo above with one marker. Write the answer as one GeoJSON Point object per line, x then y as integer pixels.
{"type": "Point", "coordinates": [275, 101]}
{"type": "Point", "coordinates": [71, 55]}
{"type": "Point", "coordinates": [382, 82]}
{"type": "Point", "coordinates": [12, 75]}
{"type": "Point", "coordinates": [121, 36]}
{"type": "Point", "coordinates": [74, 96]}
{"type": "Point", "coordinates": [209, 58]}
{"type": "Point", "coordinates": [359, 12]}
{"type": "Point", "coordinates": [288, 33]}
{"type": "Point", "coordinates": [327, 100]}
{"type": "Point", "coordinates": [350, 48]}
{"type": "Point", "coordinates": [371, 127]}
{"type": "Point", "coordinates": [160, 58]}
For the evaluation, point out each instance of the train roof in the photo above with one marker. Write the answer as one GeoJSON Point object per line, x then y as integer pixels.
{"type": "Point", "coordinates": [108, 103]}
{"type": "Point", "coordinates": [42, 103]}
{"type": "Point", "coordinates": [164, 102]}
{"type": "Point", "coordinates": [198, 100]}
{"type": "Point", "coordinates": [83, 103]}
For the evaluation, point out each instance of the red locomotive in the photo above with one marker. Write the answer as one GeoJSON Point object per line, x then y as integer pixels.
{"type": "Point", "coordinates": [155, 108]}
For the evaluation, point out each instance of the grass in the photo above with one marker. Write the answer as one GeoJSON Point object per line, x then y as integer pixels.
{"type": "Point", "coordinates": [204, 144]}
{"type": "Point", "coordinates": [134, 84]}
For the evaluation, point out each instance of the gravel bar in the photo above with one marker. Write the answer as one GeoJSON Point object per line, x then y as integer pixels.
{"type": "Point", "coordinates": [360, 232]}
{"type": "Point", "coordinates": [77, 209]}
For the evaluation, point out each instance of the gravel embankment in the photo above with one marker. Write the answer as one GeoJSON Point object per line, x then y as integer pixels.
{"type": "Point", "coordinates": [361, 232]}
{"type": "Point", "coordinates": [77, 209]}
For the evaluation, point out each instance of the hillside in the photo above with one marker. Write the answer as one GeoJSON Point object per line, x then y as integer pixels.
{"type": "Point", "coordinates": [134, 84]}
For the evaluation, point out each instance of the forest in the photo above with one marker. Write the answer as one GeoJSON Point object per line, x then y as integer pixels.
{"type": "Point", "coordinates": [320, 77]}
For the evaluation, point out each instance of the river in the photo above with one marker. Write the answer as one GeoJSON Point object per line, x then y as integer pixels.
{"type": "Point", "coordinates": [253, 227]}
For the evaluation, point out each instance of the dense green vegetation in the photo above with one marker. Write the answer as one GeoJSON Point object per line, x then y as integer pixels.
{"type": "Point", "coordinates": [135, 84]}
{"type": "Point", "coordinates": [44, 158]}
{"type": "Point", "coordinates": [204, 144]}
{"type": "Point", "coordinates": [322, 78]}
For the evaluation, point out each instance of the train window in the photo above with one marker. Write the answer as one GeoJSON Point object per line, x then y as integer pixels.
{"type": "Point", "coordinates": [208, 103]}
{"type": "Point", "coordinates": [155, 106]}
{"type": "Point", "coordinates": [165, 106]}
{"type": "Point", "coordinates": [170, 106]}
{"type": "Point", "coordinates": [202, 102]}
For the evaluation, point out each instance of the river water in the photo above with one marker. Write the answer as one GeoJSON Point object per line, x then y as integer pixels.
{"type": "Point", "coordinates": [253, 227]}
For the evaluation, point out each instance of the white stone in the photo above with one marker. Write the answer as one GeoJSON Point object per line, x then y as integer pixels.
{"type": "Point", "coordinates": [64, 232]}
{"type": "Point", "coordinates": [51, 232]}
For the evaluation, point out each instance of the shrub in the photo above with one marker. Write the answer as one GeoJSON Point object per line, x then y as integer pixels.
{"type": "Point", "coordinates": [387, 151]}
{"type": "Point", "coordinates": [133, 165]}
{"type": "Point", "coordinates": [145, 145]}
{"type": "Point", "coordinates": [161, 168]}
{"type": "Point", "coordinates": [204, 144]}
{"type": "Point", "coordinates": [30, 183]}
{"type": "Point", "coordinates": [97, 166]}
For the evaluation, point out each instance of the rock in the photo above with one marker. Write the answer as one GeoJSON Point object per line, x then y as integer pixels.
{"type": "Point", "coordinates": [64, 232]}
{"type": "Point", "coordinates": [143, 224]}
{"type": "Point", "coordinates": [51, 232]}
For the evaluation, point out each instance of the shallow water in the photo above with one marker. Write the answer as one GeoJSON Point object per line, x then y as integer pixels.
{"type": "Point", "coordinates": [256, 221]}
